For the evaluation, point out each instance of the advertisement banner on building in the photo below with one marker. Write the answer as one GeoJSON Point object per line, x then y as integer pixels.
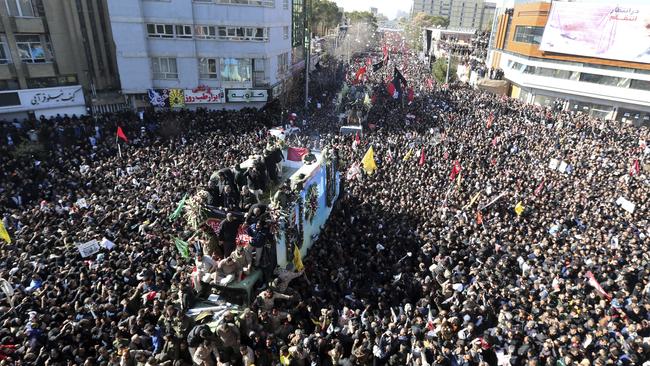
{"type": "Point", "coordinates": [247, 95]}
{"type": "Point", "coordinates": [204, 95]}
{"type": "Point", "coordinates": [599, 30]}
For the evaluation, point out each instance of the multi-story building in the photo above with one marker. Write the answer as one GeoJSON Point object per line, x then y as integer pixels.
{"type": "Point", "coordinates": [56, 57]}
{"type": "Point", "coordinates": [471, 14]}
{"type": "Point", "coordinates": [605, 79]}
{"type": "Point", "coordinates": [204, 53]}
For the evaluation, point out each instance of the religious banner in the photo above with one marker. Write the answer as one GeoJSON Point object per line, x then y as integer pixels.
{"type": "Point", "coordinates": [158, 97]}
{"type": "Point", "coordinates": [176, 98]}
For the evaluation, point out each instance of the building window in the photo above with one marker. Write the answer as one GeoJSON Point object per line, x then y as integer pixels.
{"type": "Point", "coordinates": [528, 34]}
{"type": "Point", "coordinates": [208, 68]}
{"type": "Point", "coordinates": [4, 51]}
{"type": "Point", "coordinates": [48, 82]}
{"type": "Point", "coordinates": [283, 63]}
{"type": "Point", "coordinates": [164, 68]}
{"type": "Point", "coordinates": [205, 32]}
{"type": "Point", "coordinates": [243, 33]}
{"type": "Point", "coordinates": [20, 8]}
{"type": "Point", "coordinates": [297, 24]}
{"type": "Point", "coordinates": [183, 31]}
{"type": "Point", "coordinates": [235, 69]}
{"type": "Point", "coordinates": [285, 32]}
{"type": "Point", "coordinates": [259, 71]}
{"type": "Point", "coordinates": [634, 84]}
{"type": "Point", "coordinates": [160, 30]}
{"type": "Point", "coordinates": [31, 49]}
{"type": "Point", "coordinates": [600, 79]}
{"type": "Point", "coordinates": [265, 3]}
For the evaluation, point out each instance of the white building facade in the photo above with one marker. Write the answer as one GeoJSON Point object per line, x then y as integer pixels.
{"type": "Point", "coordinates": [201, 53]}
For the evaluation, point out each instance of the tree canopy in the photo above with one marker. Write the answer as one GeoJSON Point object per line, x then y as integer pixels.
{"type": "Point", "coordinates": [413, 27]}
{"type": "Point", "coordinates": [325, 15]}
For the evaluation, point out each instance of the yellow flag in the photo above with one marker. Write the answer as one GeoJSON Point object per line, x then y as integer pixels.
{"type": "Point", "coordinates": [471, 202]}
{"type": "Point", "coordinates": [4, 235]}
{"type": "Point", "coordinates": [408, 155]}
{"type": "Point", "coordinates": [519, 208]}
{"type": "Point", "coordinates": [368, 161]}
{"type": "Point", "coordinates": [297, 259]}
{"type": "Point", "coordinates": [367, 101]}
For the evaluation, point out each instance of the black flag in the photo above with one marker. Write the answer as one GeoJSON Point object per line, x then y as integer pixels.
{"type": "Point", "coordinates": [398, 80]}
{"type": "Point", "coordinates": [377, 66]}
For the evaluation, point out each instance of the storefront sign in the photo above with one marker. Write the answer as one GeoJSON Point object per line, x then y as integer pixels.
{"type": "Point", "coordinates": [51, 97]}
{"type": "Point", "coordinates": [204, 95]}
{"type": "Point", "coordinates": [62, 100]}
{"type": "Point", "coordinates": [247, 95]}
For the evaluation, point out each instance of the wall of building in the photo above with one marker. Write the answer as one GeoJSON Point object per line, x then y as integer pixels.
{"type": "Point", "coordinates": [75, 41]}
{"type": "Point", "coordinates": [536, 14]}
{"type": "Point", "coordinates": [604, 88]}
{"type": "Point", "coordinates": [135, 49]}
{"type": "Point", "coordinates": [475, 14]}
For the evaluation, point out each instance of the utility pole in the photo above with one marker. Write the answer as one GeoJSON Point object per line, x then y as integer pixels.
{"type": "Point", "coordinates": [448, 67]}
{"type": "Point", "coordinates": [306, 9]}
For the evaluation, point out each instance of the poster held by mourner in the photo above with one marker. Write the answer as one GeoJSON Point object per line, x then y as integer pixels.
{"type": "Point", "coordinates": [88, 248]}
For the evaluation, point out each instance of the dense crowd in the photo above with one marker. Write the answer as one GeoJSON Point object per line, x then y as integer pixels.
{"type": "Point", "coordinates": [464, 247]}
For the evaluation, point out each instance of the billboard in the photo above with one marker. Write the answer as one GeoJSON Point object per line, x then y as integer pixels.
{"type": "Point", "coordinates": [599, 30]}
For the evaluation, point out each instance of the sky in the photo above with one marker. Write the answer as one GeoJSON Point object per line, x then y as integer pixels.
{"type": "Point", "coordinates": [387, 7]}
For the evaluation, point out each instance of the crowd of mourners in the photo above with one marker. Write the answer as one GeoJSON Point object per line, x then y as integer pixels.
{"type": "Point", "coordinates": [468, 245]}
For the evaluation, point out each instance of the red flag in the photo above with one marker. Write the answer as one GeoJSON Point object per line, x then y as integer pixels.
{"type": "Point", "coordinates": [635, 169]}
{"type": "Point", "coordinates": [422, 158]}
{"type": "Point", "coordinates": [490, 120]}
{"type": "Point", "coordinates": [594, 283]}
{"type": "Point", "coordinates": [455, 169]}
{"type": "Point", "coordinates": [359, 74]}
{"type": "Point", "coordinates": [479, 217]}
{"type": "Point", "coordinates": [391, 89]}
{"type": "Point", "coordinates": [538, 190]}
{"type": "Point", "coordinates": [430, 83]}
{"type": "Point", "coordinates": [389, 156]}
{"type": "Point", "coordinates": [411, 95]}
{"type": "Point", "coordinates": [384, 49]}
{"type": "Point", "coordinates": [296, 153]}
{"type": "Point", "coordinates": [121, 134]}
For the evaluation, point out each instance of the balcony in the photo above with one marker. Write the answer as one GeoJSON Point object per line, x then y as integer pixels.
{"type": "Point", "coordinates": [7, 71]}
{"type": "Point", "coordinates": [33, 25]}
{"type": "Point", "coordinates": [40, 70]}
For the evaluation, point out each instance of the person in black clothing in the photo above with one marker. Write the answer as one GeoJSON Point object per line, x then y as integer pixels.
{"type": "Point", "coordinates": [272, 157]}
{"type": "Point", "coordinates": [246, 199]}
{"type": "Point", "coordinates": [257, 180]}
{"type": "Point", "coordinates": [255, 213]}
{"type": "Point", "coordinates": [228, 234]}
{"type": "Point", "coordinates": [230, 199]}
